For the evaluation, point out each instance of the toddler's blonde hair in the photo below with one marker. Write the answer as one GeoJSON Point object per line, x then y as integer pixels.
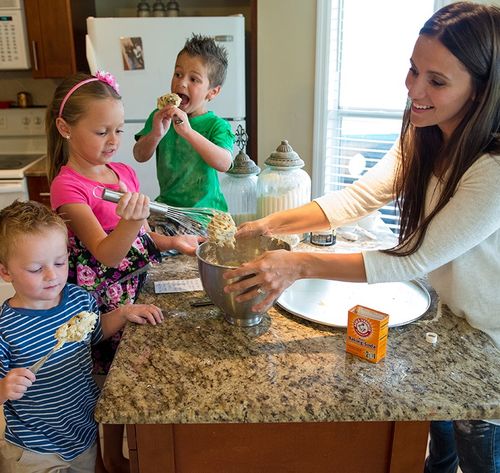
{"type": "Point", "coordinates": [25, 218]}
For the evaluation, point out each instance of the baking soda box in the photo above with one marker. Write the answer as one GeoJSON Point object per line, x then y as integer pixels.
{"type": "Point", "coordinates": [367, 333]}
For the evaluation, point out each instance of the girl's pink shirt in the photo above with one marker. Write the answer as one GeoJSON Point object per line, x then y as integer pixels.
{"type": "Point", "coordinates": [70, 187]}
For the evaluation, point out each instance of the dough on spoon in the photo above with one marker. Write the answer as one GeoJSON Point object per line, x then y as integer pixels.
{"type": "Point", "coordinates": [76, 328]}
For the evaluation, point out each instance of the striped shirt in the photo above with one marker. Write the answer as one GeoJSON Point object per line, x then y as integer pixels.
{"type": "Point", "coordinates": [56, 414]}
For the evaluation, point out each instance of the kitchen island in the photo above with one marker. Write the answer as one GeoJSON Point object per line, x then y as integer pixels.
{"type": "Point", "coordinates": [202, 396]}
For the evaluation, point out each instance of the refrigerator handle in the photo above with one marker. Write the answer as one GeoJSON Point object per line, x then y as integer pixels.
{"type": "Point", "coordinates": [91, 59]}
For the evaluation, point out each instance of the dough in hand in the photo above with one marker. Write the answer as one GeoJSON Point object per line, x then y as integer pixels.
{"type": "Point", "coordinates": [168, 99]}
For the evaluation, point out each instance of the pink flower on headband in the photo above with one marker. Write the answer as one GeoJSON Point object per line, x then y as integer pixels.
{"type": "Point", "coordinates": [109, 79]}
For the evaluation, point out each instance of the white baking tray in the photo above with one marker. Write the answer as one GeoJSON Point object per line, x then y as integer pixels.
{"type": "Point", "coordinates": [327, 302]}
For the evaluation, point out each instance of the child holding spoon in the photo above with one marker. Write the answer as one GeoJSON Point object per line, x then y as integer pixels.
{"type": "Point", "coordinates": [50, 415]}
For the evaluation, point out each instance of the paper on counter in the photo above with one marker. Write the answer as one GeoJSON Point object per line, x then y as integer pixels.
{"type": "Point", "coordinates": [178, 285]}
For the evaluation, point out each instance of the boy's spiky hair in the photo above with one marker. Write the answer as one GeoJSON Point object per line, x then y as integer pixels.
{"type": "Point", "coordinates": [214, 56]}
{"type": "Point", "coordinates": [24, 218]}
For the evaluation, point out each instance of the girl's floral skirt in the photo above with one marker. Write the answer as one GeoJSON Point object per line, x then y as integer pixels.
{"type": "Point", "coordinates": [111, 287]}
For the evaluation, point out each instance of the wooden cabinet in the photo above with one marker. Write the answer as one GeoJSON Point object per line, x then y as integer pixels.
{"type": "Point", "coordinates": [38, 189]}
{"type": "Point", "coordinates": [56, 31]}
{"type": "Point", "coordinates": [314, 447]}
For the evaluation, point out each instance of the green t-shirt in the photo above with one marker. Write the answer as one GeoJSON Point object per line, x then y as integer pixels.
{"type": "Point", "coordinates": [185, 179]}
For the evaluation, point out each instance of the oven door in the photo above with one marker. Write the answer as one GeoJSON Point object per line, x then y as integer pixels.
{"type": "Point", "coordinates": [12, 189]}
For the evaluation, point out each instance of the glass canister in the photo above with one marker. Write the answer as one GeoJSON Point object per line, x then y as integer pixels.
{"type": "Point", "coordinates": [143, 9]}
{"type": "Point", "coordinates": [239, 186]}
{"type": "Point", "coordinates": [159, 8]}
{"type": "Point", "coordinates": [283, 184]}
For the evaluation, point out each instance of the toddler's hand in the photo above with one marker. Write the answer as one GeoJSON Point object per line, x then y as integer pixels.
{"type": "Point", "coordinates": [143, 314]}
{"type": "Point", "coordinates": [15, 383]}
{"type": "Point", "coordinates": [133, 206]}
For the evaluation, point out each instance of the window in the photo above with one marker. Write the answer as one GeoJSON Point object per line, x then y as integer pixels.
{"type": "Point", "coordinates": [363, 50]}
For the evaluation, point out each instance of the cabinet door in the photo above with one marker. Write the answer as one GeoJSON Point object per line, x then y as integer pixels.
{"type": "Point", "coordinates": [50, 32]}
{"type": "Point", "coordinates": [38, 189]}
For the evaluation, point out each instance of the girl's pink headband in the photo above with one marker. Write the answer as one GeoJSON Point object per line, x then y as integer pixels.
{"type": "Point", "coordinates": [103, 76]}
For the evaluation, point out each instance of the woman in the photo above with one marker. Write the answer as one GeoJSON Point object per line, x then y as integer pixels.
{"type": "Point", "coordinates": [444, 173]}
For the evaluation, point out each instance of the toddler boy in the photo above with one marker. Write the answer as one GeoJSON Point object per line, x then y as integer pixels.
{"type": "Point", "coordinates": [49, 417]}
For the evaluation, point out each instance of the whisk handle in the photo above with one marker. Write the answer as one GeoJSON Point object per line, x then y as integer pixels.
{"type": "Point", "coordinates": [114, 196]}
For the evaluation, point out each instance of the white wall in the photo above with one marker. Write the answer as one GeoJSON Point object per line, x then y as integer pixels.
{"type": "Point", "coordinates": [285, 82]}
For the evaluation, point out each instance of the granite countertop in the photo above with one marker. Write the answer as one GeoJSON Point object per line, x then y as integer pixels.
{"type": "Point", "coordinates": [38, 168]}
{"type": "Point", "coordinates": [197, 368]}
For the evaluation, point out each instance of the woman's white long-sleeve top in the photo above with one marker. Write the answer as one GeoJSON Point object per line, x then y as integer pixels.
{"type": "Point", "coordinates": [461, 250]}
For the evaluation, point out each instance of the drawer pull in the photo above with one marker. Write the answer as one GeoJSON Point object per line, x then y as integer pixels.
{"type": "Point", "coordinates": [35, 54]}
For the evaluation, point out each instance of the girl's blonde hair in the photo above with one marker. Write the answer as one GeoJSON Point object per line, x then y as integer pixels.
{"type": "Point", "coordinates": [75, 107]}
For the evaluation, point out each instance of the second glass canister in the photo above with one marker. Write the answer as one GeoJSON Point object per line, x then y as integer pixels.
{"type": "Point", "coordinates": [282, 184]}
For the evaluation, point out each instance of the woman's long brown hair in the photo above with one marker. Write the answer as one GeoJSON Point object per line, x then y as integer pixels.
{"type": "Point", "coordinates": [471, 32]}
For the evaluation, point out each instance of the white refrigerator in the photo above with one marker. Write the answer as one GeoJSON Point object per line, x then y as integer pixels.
{"type": "Point", "coordinates": [141, 53]}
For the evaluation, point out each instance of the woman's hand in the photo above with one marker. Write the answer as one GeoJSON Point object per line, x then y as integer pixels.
{"type": "Point", "coordinates": [270, 274]}
{"type": "Point", "coordinates": [143, 313]}
{"type": "Point", "coordinates": [252, 229]}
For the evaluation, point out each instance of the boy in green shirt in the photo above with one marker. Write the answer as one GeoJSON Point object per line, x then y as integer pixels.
{"type": "Point", "coordinates": [191, 143]}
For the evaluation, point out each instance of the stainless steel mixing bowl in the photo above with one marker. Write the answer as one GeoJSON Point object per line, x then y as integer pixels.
{"type": "Point", "coordinates": [214, 260]}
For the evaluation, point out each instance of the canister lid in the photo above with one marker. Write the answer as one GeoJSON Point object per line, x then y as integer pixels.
{"type": "Point", "coordinates": [242, 164]}
{"type": "Point", "coordinates": [284, 157]}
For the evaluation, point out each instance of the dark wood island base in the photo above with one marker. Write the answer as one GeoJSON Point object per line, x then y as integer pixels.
{"type": "Point", "coordinates": [338, 447]}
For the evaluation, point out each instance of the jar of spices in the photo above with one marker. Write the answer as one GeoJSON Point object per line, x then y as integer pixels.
{"type": "Point", "coordinates": [143, 9]}
{"type": "Point", "coordinates": [324, 238]}
{"type": "Point", "coordinates": [172, 8]}
{"type": "Point", "coordinates": [159, 9]}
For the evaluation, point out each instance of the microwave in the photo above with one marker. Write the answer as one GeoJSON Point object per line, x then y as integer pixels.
{"type": "Point", "coordinates": [14, 52]}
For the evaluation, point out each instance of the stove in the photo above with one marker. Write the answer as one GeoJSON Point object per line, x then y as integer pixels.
{"type": "Point", "coordinates": [22, 143]}
{"type": "Point", "coordinates": [22, 140]}
{"type": "Point", "coordinates": [13, 167]}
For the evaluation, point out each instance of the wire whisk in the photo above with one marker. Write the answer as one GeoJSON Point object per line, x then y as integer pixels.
{"type": "Point", "coordinates": [194, 220]}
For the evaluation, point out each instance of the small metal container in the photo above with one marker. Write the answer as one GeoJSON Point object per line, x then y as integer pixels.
{"type": "Point", "coordinates": [326, 238]}
{"type": "Point", "coordinates": [24, 99]}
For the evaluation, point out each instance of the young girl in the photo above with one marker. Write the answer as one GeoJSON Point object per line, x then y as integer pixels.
{"type": "Point", "coordinates": [444, 172]}
{"type": "Point", "coordinates": [110, 244]}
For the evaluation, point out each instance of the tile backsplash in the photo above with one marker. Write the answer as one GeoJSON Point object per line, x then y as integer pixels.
{"type": "Point", "coordinates": [12, 82]}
